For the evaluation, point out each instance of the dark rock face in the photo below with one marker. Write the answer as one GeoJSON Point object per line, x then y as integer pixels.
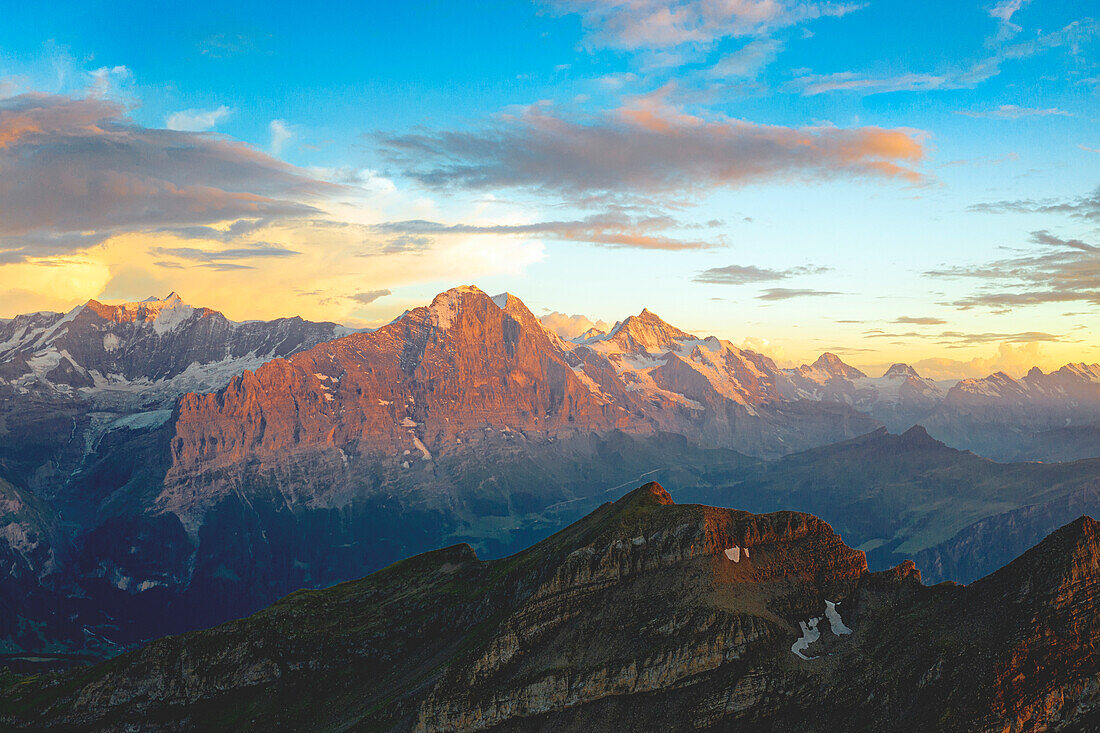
{"type": "Point", "coordinates": [635, 616]}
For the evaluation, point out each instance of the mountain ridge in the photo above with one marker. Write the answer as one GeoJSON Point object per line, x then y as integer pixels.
{"type": "Point", "coordinates": [640, 612]}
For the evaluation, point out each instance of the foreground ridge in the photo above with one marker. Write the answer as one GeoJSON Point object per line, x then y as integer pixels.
{"type": "Point", "coordinates": [645, 613]}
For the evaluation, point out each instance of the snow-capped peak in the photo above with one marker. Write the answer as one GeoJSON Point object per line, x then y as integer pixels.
{"type": "Point", "coordinates": [646, 332]}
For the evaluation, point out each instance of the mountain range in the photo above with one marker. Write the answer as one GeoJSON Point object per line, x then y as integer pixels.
{"type": "Point", "coordinates": [163, 468]}
{"type": "Point", "coordinates": [644, 615]}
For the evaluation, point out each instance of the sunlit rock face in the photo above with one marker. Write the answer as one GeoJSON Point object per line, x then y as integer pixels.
{"type": "Point", "coordinates": [633, 616]}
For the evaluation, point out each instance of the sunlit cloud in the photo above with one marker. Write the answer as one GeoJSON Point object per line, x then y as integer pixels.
{"type": "Point", "coordinates": [571, 326]}
{"type": "Point", "coordinates": [1012, 359]}
{"type": "Point", "coordinates": [370, 296]}
{"type": "Point", "coordinates": [646, 147]}
{"type": "Point", "coordinates": [74, 166]}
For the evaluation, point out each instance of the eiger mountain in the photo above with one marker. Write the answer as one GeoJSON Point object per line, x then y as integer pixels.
{"type": "Point", "coordinates": [644, 615]}
{"type": "Point", "coordinates": [164, 469]}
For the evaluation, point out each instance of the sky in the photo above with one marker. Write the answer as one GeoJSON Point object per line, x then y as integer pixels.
{"type": "Point", "coordinates": [889, 181]}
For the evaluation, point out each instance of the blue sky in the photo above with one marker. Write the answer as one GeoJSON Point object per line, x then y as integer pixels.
{"type": "Point", "coordinates": [888, 180]}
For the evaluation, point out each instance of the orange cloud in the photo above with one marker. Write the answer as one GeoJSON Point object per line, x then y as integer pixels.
{"type": "Point", "coordinates": [649, 146]}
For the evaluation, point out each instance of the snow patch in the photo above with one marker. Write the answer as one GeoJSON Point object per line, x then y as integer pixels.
{"type": "Point", "coordinates": [422, 448]}
{"type": "Point", "coordinates": [835, 623]}
{"type": "Point", "coordinates": [734, 553]}
{"type": "Point", "coordinates": [810, 634]}
{"type": "Point", "coordinates": [142, 420]}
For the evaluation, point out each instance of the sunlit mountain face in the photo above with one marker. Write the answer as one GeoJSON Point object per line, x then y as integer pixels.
{"type": "Point", "coordinates": [399, 304]}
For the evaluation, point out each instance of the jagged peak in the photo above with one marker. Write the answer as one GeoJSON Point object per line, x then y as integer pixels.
{"type": "Point", "coordinates": [832, 364]}
{"type": "Point", "coordinates": [646, 332]}
{"type": "Point", "coordinates": [901, 370]}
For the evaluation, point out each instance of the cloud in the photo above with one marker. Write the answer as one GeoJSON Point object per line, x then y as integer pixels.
{"type": "Point", "coordinates": [962, 338]}
{"type": "Point", "coordinates": [1013, 112]}
{"type": "Point", "coordinates": [744, 274]}
{"type": "Point", "coordinates": [224, 45]}
{"type": "Point", "coordinates": [747, 61]}
{"type": "Point", "coordinates": [370, 296]}
{"type": "Point", "coordinates": [280, 135]}
{"type": "Point", "coordinates": [920, 320]}
{"type": "Point", "coordinates": [1065, 270]}
{"type": "Point", "coordinates": [571, 326]}
{"type": "Point", "coordinates": [789, 293]}
{"type": "Point", "coordinates": [197, 120]}
{"type": "Point", "coordinates": [74, 166]}
{"type": "Point", "coordinates": [1086, 207]}
{"type": "Point", "coordinates": [658, 24]}
{"type": "Point", "coordinates": [1005, 9]}
{"type": "Point", "coordinates": [105, 80]}
{"type": "Point", "coordinates": [648, 147]}
{"type": "Point", "coordinates": [1013, 359]}
{"type": "Point", "coordinates": [252, 251]}
{"type": "Point", "coordinates": [610, 229]}
{"type": "Point", "coordinates": [1072, 36]}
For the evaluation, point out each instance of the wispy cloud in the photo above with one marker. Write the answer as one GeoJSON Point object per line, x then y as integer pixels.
{"type": "Point", "coordinates": [1085, 207]}
{"type": "Point", "coordinates": [256, 250]}
{"type": "Point", "coordinates": [1005, 9]}
{"type": "Point", "coordinates": [197, 120]}
{"type": "Point", "coordinates": [963, 338]}
{"type": "Point", "coordinates": [789, 293]}
{"type": "Point", "coordinates": [745, 274]}
{"type": "Point", "coordinates": [1013, 112]}
{"type": "Point", "coordinates": [607, 229]}
{"type": "Point", "coordinates": [920, 320]}
{"type": "Point", "coordinates": [648, 147]}
{"type": "Point", "coordinates": [280, 135]}
{"type": "Point", "coordinates": [1073, 36]}
{"type": "Point", "coordinates": [1064, 271]}
{"type": "Point", "coordinates": [105, 80]}
{"type": "Point", "coordinates": [73, 166]}
{"type": "Point", "coordinates": [657, 24]}
{"type": "Point", "coordinates": [748, 61]}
